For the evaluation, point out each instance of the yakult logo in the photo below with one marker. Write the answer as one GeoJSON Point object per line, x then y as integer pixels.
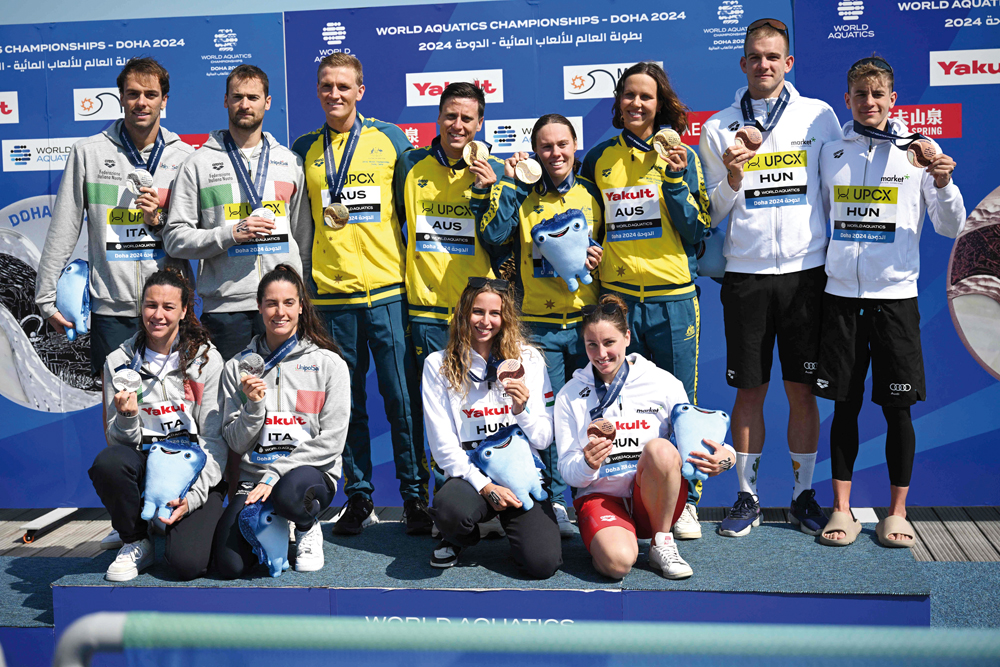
{"type": "Point", "coordinates": [164, 410]}
{"type": "Point", "coordinates": [424, 88]}
{"type": "Point", "coordinates": [631, 193]}
{"type": "Point", "coordinates": [965, 68]}
{"type": "Point", "coordinates": [632, 425]}
{"type": "Point", "coordinates": [476, 413]}
{"type": "Point", "coordinates": [294, 420]}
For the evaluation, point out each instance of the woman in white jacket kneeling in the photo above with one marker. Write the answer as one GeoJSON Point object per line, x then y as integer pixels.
{"type": "Point", "coordinates": [464, 403]}
{"type": "Point", "coordinates": [288, 421]}
{"type": "Point", "coordinates": [628, 486]}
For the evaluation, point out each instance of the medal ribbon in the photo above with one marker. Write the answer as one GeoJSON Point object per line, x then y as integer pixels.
{"type": "Point", "coordinates": [607, 393]}
{"type": "Point", "coordinates": [276, 357]}
{"type": "Point", "coordinates": [491, 370]}
{"type": "Point", "coordinates": [746, 106]}
{"type": "Point", "coordinates": [254, 191]}
{"type": "Point", "coordinates": [875, 133]}
{"type": "Point", "coordinates": [336, 177]}
{"type": "Point", "coordinates": [133, 154]}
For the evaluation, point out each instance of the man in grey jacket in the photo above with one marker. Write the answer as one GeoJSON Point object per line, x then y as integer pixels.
{"type": "Point", "coordinates": [239, 207]}
{"type": "Point", "coordinates": [106, 177]}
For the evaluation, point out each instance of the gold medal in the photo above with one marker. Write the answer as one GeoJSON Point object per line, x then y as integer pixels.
{"type": "Point", "coordinates": [336, 216]}
{"type": "Point", "coordinates": [475, 150]}
{"type": "Point", "coordinates": [528, 171]}
{"type": "Point", "coordinates": [664, 140]}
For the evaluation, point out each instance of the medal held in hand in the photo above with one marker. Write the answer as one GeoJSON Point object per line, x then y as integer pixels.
{"type": "Point", "coordinates": [664, 140]}
{"type": "Point", "coordinates": [509, 369]}
{"type": "Point", "coordinates": [920, 153]}
{"type": "Point", "coordinates": [266, 214]}
{"type": "Point", "coordinates": [475, 150]}
{"type": "Point", "coordinates": [252, 365]}
{"type": "Point", "coordinates": [336, 216]}
{"type": "Point", "coordinates": [126, 380]}
{"type": "Point", "coordinates": [601, 428]}
{"type": "Point", "coordinates": [750, 136]}
{"type": "Point", "coordinates": [139, 178]}
{"type": "Point", "coordinates": [528, 171]}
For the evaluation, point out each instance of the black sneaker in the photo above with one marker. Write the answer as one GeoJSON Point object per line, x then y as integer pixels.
{"type": "Point", "coordinates": [357, 514]}
{"type": "Point", "coordinates": [445, 555]}
{"type": "Point", "coordinates": [418, 521]}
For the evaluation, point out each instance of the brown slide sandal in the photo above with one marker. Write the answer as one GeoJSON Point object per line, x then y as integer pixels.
{"type": "Point", "coordinates": [897, 525]}
{"type": "Point", "coordinates": [844, 522]}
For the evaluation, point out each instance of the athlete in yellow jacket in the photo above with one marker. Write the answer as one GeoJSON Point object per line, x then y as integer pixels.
{"type": "Point", "coordinates": [357, 274]}
{"type": "Point", "coordinates": [656, 214]}
{"type": "Point", "coordinates": [550, 309]}
{"type": "Point", "coordinates": [442, 201]}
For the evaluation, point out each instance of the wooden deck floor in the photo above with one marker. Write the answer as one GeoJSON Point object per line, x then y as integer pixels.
{"type": "Point", "coordinates": [956, 534]}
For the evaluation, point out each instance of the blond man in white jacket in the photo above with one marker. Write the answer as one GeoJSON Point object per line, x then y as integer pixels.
{"type": "Point", "coordinates": [875, 198]}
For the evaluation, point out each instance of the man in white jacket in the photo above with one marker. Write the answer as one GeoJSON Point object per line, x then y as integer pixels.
{"type": "Point", "coordinates": [876, 195]}
{"type": "Point", "coordinates": [768, 185]}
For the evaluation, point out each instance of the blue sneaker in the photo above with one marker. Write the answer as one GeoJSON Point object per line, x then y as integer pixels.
{"type": "Point", "coordinates": [807, 514]}
{"type": "Point", "coordinates": [744, 515]}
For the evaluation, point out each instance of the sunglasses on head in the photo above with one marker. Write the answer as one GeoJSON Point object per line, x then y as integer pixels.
{"type": "Point", "coordinates": [874, 60]}
{"type": "Point", "coordinates": [500, 285]}
{"type": "Point", "coordinates": [774, 23]}
{"type": "Point", "coordinates": [606, 308]}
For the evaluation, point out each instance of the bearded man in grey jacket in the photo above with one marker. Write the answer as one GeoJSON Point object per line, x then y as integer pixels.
{"type": "Point", "coordinates": [122, 178]}
{"type": "Point", "coordinates": [239, 206]}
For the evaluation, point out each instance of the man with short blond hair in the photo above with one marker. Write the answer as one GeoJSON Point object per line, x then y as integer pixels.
{"type": "Point", "coordinates": [356, 270]}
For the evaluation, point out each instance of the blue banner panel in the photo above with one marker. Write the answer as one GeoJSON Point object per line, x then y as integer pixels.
{"type": "Point", "coordinates": [58, 85]}
{"type": "Point", "coordinates": [946, 68]}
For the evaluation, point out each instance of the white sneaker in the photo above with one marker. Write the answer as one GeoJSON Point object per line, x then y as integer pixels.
{"type": "Point", "coordinates": [566, 527]}
{"type": "Point", "coordinates": [491, 527]}
{"type": "Point", "coordinates": [112, 541]}
{"type": "Point", "coordinates": [663, 555]}
{"type": "Point", "coordinates": [132, 559]}
{"type": "Point", "coordinates": [687, 526]}
{"type": "Point", "coordinates": [309, 549]}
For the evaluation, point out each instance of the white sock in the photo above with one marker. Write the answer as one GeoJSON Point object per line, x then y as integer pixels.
{"type": "Point", "coordinates": [803, 466]}
{"type": "Point", "coordinates": [659, 539]}
{"type": "Point", "coordinates": [746, 471]}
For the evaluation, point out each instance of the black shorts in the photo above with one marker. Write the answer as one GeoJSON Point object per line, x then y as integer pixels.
{"type": "Point", "coordinates": [757, 309]}
{"type": "Point", "coordinates": [885, 331]}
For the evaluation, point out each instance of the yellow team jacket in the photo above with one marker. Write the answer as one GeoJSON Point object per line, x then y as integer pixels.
{"type": "Point", "coordinates": [653, 220]}
{"type": "Point", "coordinates": [362, 263]}
{"type": "Point", "coordinates": [547, 299]}
{"type": "Point", "coordinates": [442, 210]}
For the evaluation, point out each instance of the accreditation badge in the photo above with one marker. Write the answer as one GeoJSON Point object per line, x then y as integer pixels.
{"type": "Point", "coordinates": [281, 434]}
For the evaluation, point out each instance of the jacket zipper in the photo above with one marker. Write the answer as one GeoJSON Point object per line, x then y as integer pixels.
{"type": "Point", "coordinates": [776, 218]}
{"type": "Point", "coordinates": [864, 183]}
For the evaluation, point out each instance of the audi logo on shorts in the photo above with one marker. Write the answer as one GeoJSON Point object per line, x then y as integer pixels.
{"type": "Point", "coordinates": [899, 387]}
{"type": "Point", "coordinates": [809, 365]}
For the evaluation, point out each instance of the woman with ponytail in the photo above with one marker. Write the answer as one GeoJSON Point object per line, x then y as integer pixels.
{"type": "Point", "coordinates": [627, 475]}
{"type": "Point", "coordinates": [178, 370]}
{"type": "Point", "coordinates": [550, 310]}
{"type": "Point", "coordinates": [287, 421]}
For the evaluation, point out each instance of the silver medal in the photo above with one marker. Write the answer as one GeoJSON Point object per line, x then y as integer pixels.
{"type": "Point", "coordinates": [126, 380]}
{"type": "Point", "coordinates": [252, 365]}
{"type": "Point", "coordinates": [265, 213]}
{"type": "Point", "coordinates": [140, 178]}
